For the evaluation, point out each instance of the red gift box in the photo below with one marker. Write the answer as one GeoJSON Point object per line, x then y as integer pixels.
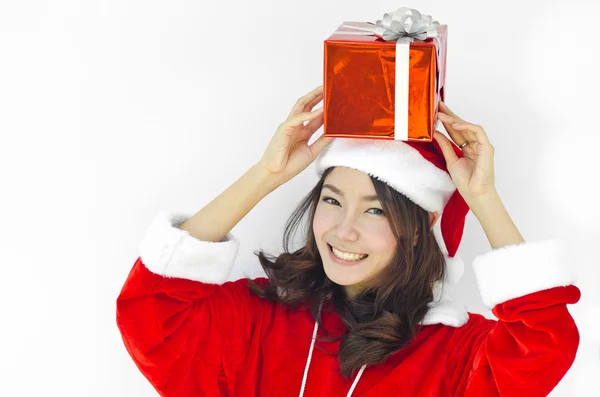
{"type": "Point", "coordinates": [375, 84]}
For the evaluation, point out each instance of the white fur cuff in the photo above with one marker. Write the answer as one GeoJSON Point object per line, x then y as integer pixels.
{"type": "Point", "coordinates": [172, 252]}
{"type": "Point", "coordinates": [516, 270]}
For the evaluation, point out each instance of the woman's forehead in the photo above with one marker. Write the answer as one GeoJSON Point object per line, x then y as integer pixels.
{"type": "Point", "coordinates": [348, 180]}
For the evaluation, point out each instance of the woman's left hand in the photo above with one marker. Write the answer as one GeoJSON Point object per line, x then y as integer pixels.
{"type": "Point", "coordinates": [473, 174]}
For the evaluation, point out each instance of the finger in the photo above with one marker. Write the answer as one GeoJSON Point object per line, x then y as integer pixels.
{"type": "Point", "coordinates": [310, 105]}
{"type": "Point", "coordinates": [458, 136]}
{"type": "Point", "coordinates": [305, 107]}
{"type": "Point", "coordinates": [446, 109]}
{"type": "Point", "coordinates": [446, 118]}
{"type": "Point", "coordinates": [312, 126]}
{"type": "Point", "coordinates": [300, 118]}
{"type": "Point", "coordinates": [477, 132]}
{"type": "Point", "coordinates": [302, 103]}
{"type": "Point", "coordinates": [482, 149]}
{"type": "Point", "coordinates": [447, 148]}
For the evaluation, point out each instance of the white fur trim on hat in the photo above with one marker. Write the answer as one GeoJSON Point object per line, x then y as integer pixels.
{"type": "Point", "coordinates": [455, 267]}
{"type": "Point", "coordinates": [395, 163]}
{"type": "Point", "coordinates": [445, 309]}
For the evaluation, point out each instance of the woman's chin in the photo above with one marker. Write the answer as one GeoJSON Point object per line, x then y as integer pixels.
{"type": "Point", "coordinates": [340, 275]}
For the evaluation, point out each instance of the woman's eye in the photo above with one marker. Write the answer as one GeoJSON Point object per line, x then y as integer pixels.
{"type": "Point", "coordinates": [329, 198]}
{"type": "Point", "coordinates": [377, 209]}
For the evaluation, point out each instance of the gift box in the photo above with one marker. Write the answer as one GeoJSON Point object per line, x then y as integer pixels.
{"type": "Point", "coordinates": [384, 80]}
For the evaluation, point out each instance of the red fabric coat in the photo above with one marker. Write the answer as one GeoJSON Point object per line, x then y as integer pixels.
{"type": "Point", "coordinates": [192, 333]}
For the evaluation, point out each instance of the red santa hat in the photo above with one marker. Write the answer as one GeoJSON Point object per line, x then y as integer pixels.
{"type": "Point", "coordinates": [415, 169]}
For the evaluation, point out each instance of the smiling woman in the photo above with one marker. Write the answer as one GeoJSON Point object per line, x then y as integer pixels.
{"type": "Point", "coordinates": [317, 321]}
{"type": "Point", "coordinates": [357, 213]}
{"type": "Point", "coordinates": [357, 227]}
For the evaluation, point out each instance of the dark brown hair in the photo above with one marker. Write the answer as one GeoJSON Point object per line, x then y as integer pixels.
{"type": "Point", "coordinates": [384, 316]}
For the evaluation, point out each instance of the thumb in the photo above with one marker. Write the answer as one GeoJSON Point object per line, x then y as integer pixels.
{"type": "Point", "coordinates": [447, 148]}
{"type": "Point", "coordinates": [320, 144]}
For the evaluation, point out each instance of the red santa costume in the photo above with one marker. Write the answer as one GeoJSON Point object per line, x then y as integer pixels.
{"type": "Point", "coordinates": [193, 333]}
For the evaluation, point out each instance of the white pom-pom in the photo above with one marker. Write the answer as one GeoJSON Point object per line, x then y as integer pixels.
{"type": "Point", "coordinates": [455, 266]}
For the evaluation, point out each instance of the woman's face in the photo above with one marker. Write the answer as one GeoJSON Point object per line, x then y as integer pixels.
{"type": "Point", "coordinates": [350, 218]}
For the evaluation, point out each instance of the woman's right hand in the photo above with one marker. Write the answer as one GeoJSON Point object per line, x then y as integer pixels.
{"type": "Point", "coordinates": [288, 153]}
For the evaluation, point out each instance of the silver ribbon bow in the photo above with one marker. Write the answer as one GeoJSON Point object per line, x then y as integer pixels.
{"type": "Point", "coordinates": [405, 25]}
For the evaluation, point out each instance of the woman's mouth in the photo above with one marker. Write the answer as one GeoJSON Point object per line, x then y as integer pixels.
{"type": "Point", "coordinates": [345, 259]}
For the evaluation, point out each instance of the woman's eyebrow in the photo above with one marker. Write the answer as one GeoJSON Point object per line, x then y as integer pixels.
{"type": "Point", "coordinates": [338, 191]}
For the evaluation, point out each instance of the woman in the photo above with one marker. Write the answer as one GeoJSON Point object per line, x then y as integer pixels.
{"type": "Point", "coordinates": [360, 309]}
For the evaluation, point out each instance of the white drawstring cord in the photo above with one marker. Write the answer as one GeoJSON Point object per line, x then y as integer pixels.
{"type": "Point", "coordinates": [356, 380]}
{"type": "Point", "coordinates": [312, 346]}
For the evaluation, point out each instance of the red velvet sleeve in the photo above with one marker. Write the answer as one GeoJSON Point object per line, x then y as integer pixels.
{"type": "Point", "coordinates": [525, 353]}
{"type": "Point", "coordinates": [532, 345]}
{"type": "Point", "coordinates": [180, 332]}
{"type": "Point", "coordinates": [182, 323]}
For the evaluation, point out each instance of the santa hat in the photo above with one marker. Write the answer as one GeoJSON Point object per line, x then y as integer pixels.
{"type": "Point", "coordinates": [415, 169]}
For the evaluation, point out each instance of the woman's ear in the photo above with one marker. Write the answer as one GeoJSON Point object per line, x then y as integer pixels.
{"type": "Point", "coordinates": [433, 217]}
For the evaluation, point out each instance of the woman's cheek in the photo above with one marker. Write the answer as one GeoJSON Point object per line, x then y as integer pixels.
{"type": "Point", "coordinates": [380, 237]}
{"type": "Point", "coordinates": [320, 223]}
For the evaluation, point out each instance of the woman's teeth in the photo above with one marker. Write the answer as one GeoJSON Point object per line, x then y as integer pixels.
{"type": "Point", "coordinates": [348, 257]}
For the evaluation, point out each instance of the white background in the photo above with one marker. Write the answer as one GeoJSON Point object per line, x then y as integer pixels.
{"type": "Point", "coordinates": [113, 110]}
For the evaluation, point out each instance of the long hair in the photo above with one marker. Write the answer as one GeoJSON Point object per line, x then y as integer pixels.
{"type": "Point", "coordinates": [383, 317]}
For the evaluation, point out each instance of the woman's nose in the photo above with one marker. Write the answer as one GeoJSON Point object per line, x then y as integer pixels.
{"type": "Point", "coordinates": [346, 229]}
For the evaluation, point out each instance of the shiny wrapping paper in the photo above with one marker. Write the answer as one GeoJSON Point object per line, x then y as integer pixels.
{"type": "Point", "coordinates": [359, 85]}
